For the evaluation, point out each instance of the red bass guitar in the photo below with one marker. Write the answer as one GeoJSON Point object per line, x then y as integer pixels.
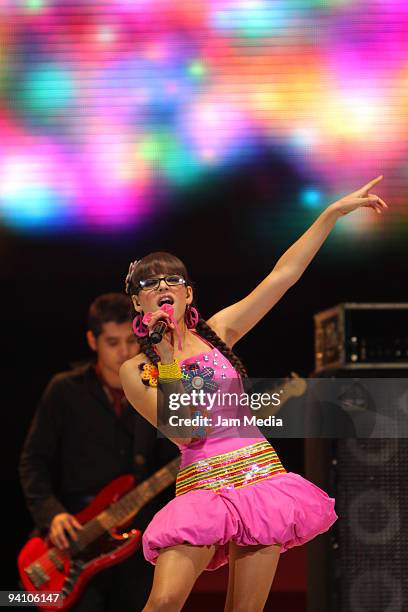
{"type": "Point", "coordinates": [45, 568]}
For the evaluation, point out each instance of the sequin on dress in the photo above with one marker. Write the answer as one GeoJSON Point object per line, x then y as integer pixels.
{"type": "Point", "coordinates": [234, 487]}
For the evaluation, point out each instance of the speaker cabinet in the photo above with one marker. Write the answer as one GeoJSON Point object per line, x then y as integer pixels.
{"type": "Point", "coordinates": [360, 565]}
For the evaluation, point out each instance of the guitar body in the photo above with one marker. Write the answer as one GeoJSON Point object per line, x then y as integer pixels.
{"type": "Point", "coordinates": [45, 568]}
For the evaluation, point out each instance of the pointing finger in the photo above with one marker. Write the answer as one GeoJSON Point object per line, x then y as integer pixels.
{"type": "Point", "coordinates": [372, 183]}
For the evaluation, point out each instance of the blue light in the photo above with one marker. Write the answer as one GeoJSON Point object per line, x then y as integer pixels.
{"type": "Point", "coordinates": [32, 208]}
{"type": "Point", "coordinates": [251, 18]}
{"type": "Point", "coordinates": [310, 198]}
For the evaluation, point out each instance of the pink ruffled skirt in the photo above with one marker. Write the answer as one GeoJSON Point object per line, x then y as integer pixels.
{"type": "Point", "coordinates": [285, 509]}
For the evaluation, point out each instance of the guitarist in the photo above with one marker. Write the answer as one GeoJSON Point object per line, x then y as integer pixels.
{"type": "Point", "coordinates": [83, 435]}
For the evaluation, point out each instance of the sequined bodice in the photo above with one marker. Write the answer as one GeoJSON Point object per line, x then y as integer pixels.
{"type": "Point", "coordinates": [213, 359]}
{"type": "Point", "coordinates": [212, 371]}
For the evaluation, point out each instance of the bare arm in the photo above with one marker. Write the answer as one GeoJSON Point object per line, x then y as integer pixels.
{"type": "Point", "coordinates": [233, 322]}
{"type": "Point", "coordinates": [146, 401]}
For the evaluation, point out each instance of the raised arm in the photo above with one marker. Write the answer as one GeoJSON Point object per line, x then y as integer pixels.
{"type": "Point", "coordinates": [233, 322]}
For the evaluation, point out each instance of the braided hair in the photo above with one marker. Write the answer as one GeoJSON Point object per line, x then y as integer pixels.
{"type": "Point", "coordinates": [161, 262]}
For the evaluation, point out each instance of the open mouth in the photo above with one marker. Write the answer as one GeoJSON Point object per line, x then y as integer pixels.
{"type": "Point", "coordinates": [165, 299]}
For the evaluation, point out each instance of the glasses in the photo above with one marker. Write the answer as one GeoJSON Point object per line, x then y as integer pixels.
{"type": "Point", "coordinates": [173, 280]}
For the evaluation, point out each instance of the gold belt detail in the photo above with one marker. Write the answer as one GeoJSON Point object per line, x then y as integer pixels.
{"type": "Point", "coordinates": [233, 470]}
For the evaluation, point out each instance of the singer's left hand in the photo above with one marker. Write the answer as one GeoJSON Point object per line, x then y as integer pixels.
{"type": "Point", "coordinates": [359, 198]}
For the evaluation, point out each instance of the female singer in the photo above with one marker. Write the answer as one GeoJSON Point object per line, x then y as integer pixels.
{"type": "Point", "coordinates": [234, 499]}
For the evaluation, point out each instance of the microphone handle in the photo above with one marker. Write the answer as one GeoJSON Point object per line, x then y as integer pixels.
{"type": "Point", "coordinates": [159, 330]}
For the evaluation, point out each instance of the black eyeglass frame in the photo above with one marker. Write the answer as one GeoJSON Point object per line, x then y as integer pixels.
{"type": "Point", "coordinates": [158, 280]}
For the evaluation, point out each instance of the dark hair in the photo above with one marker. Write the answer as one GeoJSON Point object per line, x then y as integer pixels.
{"type": "Point", "coordinates": [162, 262]}
{"type": "Point", "coordinates": [109, 307]}
{"type": "Point", "coordinates": [159, 262]}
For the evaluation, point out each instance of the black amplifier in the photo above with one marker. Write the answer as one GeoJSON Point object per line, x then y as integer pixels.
{"type": "Point", "coordinates": [361, 336]}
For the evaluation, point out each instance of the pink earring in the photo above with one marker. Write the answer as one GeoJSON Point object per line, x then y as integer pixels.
{"type": "Point", "coordinates": [140, 329]}
{"type": "Point", "coordinates": [191, 317]}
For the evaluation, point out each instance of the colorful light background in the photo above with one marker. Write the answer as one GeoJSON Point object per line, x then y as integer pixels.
{"type": "Point", "coordinates": [108, 107]}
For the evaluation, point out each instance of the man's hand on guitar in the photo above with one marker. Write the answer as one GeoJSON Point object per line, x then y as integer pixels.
{"type": "Point", "coordinates": [61, 525]}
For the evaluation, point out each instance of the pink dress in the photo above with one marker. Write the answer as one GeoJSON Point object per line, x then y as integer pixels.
{"type": "Point", "coordinates": [231, 485]}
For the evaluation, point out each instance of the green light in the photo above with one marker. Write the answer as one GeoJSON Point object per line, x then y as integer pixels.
{"type": "Point", "coordinates": [197, 69]}
{"type": "Point", "coordinates": [169, 156]}
{"type": "Point", "coordinates": [34, 5]}
{"type": "Point", "coordinates": [156, 146]}
{"type": "Point", "coordinates": [148, 149]}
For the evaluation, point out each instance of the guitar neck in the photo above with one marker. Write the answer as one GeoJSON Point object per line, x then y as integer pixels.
{"type": "Point", "coordinates": [123, 510]}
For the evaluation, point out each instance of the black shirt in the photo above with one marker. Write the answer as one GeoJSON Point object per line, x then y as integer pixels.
{"type": "Point", "coordinates": [76, 445]}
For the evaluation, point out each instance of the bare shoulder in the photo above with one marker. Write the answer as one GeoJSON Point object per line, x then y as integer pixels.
{"type": "Point", "coordinates": [132, 383]}
{"type": "Point", "coordinates": [131, 366]}
{"type": "Point", "coordinates": [142, 397]}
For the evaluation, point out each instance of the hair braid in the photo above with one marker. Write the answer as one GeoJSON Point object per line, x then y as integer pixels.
{"type": "Point", "coordinates": [209, 334]}
{"type": "Point", "coordinates": [146, 347]}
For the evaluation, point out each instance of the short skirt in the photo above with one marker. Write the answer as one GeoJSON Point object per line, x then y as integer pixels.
{"type": "Point", "coordinates": [245, 495]}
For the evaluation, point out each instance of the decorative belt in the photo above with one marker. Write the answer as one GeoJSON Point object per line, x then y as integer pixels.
{"type": "Point", "coordinates": [233, 470]}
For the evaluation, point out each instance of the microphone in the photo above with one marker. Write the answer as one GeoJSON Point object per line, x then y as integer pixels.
{"type": "Point", "coordinates": [160, 328]}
